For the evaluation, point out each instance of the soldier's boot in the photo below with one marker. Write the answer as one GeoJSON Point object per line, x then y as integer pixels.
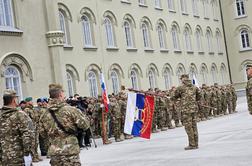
{"type": "Point", "coordinates": [107, 142]}
{"type": "Point", "coordinates": [191, 147]}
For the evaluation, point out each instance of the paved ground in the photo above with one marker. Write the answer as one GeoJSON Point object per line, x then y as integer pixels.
{"type": "Point", "coordinates": [224, 141]}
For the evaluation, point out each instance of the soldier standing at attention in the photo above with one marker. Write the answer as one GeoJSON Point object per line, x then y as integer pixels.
{"type": "Point", "coordinates": [61, 123]}
{"type": "Point", "coordinates": [189, 95]}
{"type": "Point", "coordinates": [249, 88]}
{"type": "Point", "coordinates": [15, 132]}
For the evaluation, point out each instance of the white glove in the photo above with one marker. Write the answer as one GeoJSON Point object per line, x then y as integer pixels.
{"type": "Point", "coordinates": [28, 160]}
{"type": "Point", "coordinates": [102, 105]}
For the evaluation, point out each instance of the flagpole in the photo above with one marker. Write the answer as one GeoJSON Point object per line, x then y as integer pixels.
{"type": "Point", "coordinates": [103, 127]}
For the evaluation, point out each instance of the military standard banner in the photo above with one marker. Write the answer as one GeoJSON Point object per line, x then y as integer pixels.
{"type": "Point", "coordinates": [138, 120]}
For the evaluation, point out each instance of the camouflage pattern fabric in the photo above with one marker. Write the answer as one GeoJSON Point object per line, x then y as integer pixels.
{"type": "Point", "coordinates": [15, 136]}
{"type": "Point", "coordinates": [116, 118]}
{"type": "Point", "coordinates": [249, 95]}
{"type": "Point", "coordinates": [73, 160]}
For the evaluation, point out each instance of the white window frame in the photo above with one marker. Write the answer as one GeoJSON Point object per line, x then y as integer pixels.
{"type": "Point", "coordinates": [175, 38]}
{"type": "Point", "coordinates": [70, 84]}
{"type": "Point", "coordinates": [171, 6]}
{"type": "Point", "coordinates": [161, 37]}
{"type": "Point", "coordinates": [240, 8]}
{"type": "Point", "coordinates": [183, 6]}
{"type": "Point", "coordinates": [209, 41]}
{"type": "Point", "coordinates": [93, 85]}
{"type": "Point", "coordinates": [199, 40]}
{"type": "Point", "coordinates": [152, 79]}
{"type": "Point", "coordinates": [87, 31]}
{"type": "Point", "coordinates": [214, 75]}
{"type": "Point", "coordinates": [146, 36]}
{"type": "Point", "coordinates": [115, 81]}
{"type": "Point", "coordinates": [142, 2]}
{"type": "Point", "coordinates": [134, 80]}
{"type": "Point", "coordinates": [195, 7]}
{"type": "Point", "coordinates": [205, 8]}
{"type": "Point", "coordinates": [6, 13]}
{"type": "Point", "coordinates": [219, 42]}
{"type": "Point", "coordinates": [188, 41]}
{"type": "Point", "coordinates": [180, 71]}
{"type": "Point", "coordinates": [12, 76]}
{"type": "Point", "coordinates": [109, 31]}
{"type": "Point", "coordinates": [157, 4]}
{"type": "Point", "coordinates": [167, 78]}
{"type": "Point", "coordinates": [204, 75]}
{"type": "Point", "coordinates": [128, 34]}
{"type": "Point", "coordinates": [223, 73]}
{"type": "Point", "coordinates": [63, 26]}
{"type": "Point", "coordinates": [244, 38]}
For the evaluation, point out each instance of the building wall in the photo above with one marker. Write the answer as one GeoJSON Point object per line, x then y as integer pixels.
{"type": "Point", "coordinates": [49, 64]}
{"type": "Point", "coordinates": [234, 24]}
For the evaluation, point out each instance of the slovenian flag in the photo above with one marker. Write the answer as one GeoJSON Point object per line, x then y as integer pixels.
{"type": "Point", "coordinates": [138, 120]}
{"type": "Point", "coordinates": [104, 92]}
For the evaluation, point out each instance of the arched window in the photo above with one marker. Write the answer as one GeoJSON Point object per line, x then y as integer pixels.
{"type": "Point", "coordinates": [188, 40]}
{"type": "Point", "coordinates": [87, 31]}
{"type": "Point", "coordinates": [198, 40]}
{"type": "Point", "coordinates": [134, 79]}
{"type": "Point", "coordinates": [195, 7]}
{"type": "Point", "coordinates": [6, 13]}
{"type": "Point", "coordinates": [245, 43]}
{"type": "Point", "coordinates": [167, 78]}
{"type": "Point", "coordinates": [146, 37]}
{"type": "Point", "coordinates": [152, 79]}
{"type": "Point", "coordinates": [70, 85]}
{"type": "Point", "coordinates": [115, 82]}
{"type": "Point", "coordinates": [223, 73]}
{"type": "Point", "coordinates": [183, 6]}
{"type": "Point", "coordinates": [209, 41]}
{"type": "Point", "coordinates": [161, 36]}
{"type": "Point", "coordinates": [180, 71]}
{"type": "Point", "coordinates": [13, 80]}
{"type": "Point", "coordinates": [240, 7]}
{"type": "Point", "coordinates": [175, 38]}
{"type": "Point", "coordinates": [128, 34]}
{"type": "Point", "coordinates": [109, 32]}
{"type": "Point", "coordinates": [93, 88]}
{"type": "Point", "coordinates": [214, 74]}
{"type": "Point", "coordinates": [204, 75]}
{"type": "Point", "coordinates": [218, 41]}
{"type": "Point", "coordinates": [171, 5]}
{"type": "Point", "coordinates": [64, 27]}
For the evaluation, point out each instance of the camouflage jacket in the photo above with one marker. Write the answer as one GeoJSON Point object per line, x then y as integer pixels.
{"type": "Point", "coordinates": [249, 95]}
{"type": "Point", "coordinates": [189, 95]}
{"type": "Point", "coordinates": [15, 136]}
{"type": "Point", "coordinates": [71, 118]}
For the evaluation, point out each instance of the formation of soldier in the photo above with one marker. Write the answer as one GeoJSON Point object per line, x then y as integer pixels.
{"type": "Point", "coordinates": [43, 130]}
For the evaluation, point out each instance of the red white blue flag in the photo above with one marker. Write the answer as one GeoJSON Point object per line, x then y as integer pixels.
{"type": "Point", "coordinates": [138, 120]}
{"type": "Point", "coordinates": [104, 93]}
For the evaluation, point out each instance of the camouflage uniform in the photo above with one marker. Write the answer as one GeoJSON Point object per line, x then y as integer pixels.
{"type": "Point", "coordinates": [155, 117]}
{"type": "Point", "coordinates": [249, 94]}
{"type": "Point", "coordinates": [116, 119]}
{"type": "Point", "coordinates": [64, 149]}
{"type": "Point", "coordinates": [214, 100]}
{"type": "Point", "coordinates": [161, 106]}
{"type": "Point", "coordinates": [189, 95]}
{"type": "Point", "coordinates": [229, 100]}
{"type": "Point", "coordinates": [224, 100]}
{"type": "Point", "coordinates": [169, 111]}
{"type": "Point", "coordinates": [15, 136]}
{"type": "Point", "coordinates": [234, 98]}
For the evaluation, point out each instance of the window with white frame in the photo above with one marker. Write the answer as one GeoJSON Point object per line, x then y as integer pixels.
{"type": "Point", "coordinates": [245, 42]}
{"type": "Point", "coordinates": [205, 8]}
{"type": "Point", "coordinates": [218, 41]}
{"type": "Point", "coordinates": [152, 79]}
{"type": "Point", "coordinates": [175, 38]}
{"type": "Point", "coordinates": [209, 41]}
{"type": "Point", "coordinates": [87, 31]}
{"type": "Point", "coordinates": [115, 82]}
{"type": "Point", "coordinates": [13, 80]}
{"type": "Point", "coordinates": [157, 3]}
{"type": "Point", "coordinates": [109, 32]}
{"type": "Point", "coordinates": [134, 79]}
{"type": "Point", "coordinates": [214, 9]}
{"type": "Point", "coordinates": [146, 36]}
{"type": "Point", "coordinates": [204, 75]}
{"type": "Point", "coordinates": [64, 26]}
{"type": "Point", "coordinates": [142, 2]}
{"type": "Point", "coordinates": [70, 84]}
{"type": "Point", "coordinates": [161, 36]}
{"type": "Point", "coordinates": [223, 74]}
{"type": "Point", "coordinates": [6, 13]}
{"type": "Point", "coordinates": [183, 6]}
{"type": "Point", "coordinates": [240, 7]}
{"type": "Point", "coordinates": [198, 40]}
{"type": "Point", "coordinates": [214, 74]}
{"type": "Point", "coordinates": [195, 7]}
{"type": "Point", "coordinates": [128, 34]}
{"type": "Point", "coordinates": [180, 71]}
{"type": "Point", "coordinates": [167, 78]}
{"type": "Point", "coordinates": [92, 80]}
{"type": "Point", "coordinates": [188, 40]}
{"type": "Point", "coordinates": [171, 5]}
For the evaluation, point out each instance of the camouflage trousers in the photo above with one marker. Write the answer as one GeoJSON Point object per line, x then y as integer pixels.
{"type": "Point", "coordinates": [161, 118]}
{"type": "Point", "coordinates": [176, 116]}
{"type": "Point", "coordinates": [34, 144]}
{"type": "Point", "coordinates": [73, 160]}
{"type": "Point", "coordinates": [190, 123]}
{"type": "Point", "coordinates": [234, 105]}
{"type": "Point", "coordinates": [117, 128]}
{"type": "Point", "coordinates": [154, 120]}
{"type": "Point", "coordinates": [168, 118]}
{"type": "Point", "coordinates": [230, 106]}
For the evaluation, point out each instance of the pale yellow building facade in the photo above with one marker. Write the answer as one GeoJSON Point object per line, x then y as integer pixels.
{"type": "Point", "coordinates": [137, 43]}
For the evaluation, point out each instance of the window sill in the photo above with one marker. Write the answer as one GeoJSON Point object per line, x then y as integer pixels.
{"type": "Point", "coordinates": [143, 5]}
{"type": "Point", "coordinates": [196, 16]}
{"type": "Point", "coordinates": [190, 51]}
{"type": "Point", "coordinates": [206, 18]}
{"type": "Point", "coordinates": [10, 31]}
{"type": "Point", "coordinates": [149, 50]}
{"type": "Point", "coordinates": [185, 13]}
{"type": "Point", "coordinates": [90, 48]}
{"type": "Point", "coordinates": [172, 11]}
{"type": "Point", "coordinates": [67, 47]}
{"type": "Point", "coordinates": [164, 50]}
{"type": "Point", "coordinates": [201, 52]}
{"type": "Point", "coordinates": [177, 51]}
{"type": "Point", "coordinates": [220, 53]}
{"type": "Point", "coordinates": [240, 17]}
{"type": "Point", "coordinates": [159, 8]}
{"type": "Point", "coordinates": [211, 53]}
{"type": "Point", "coordinates": [112, 48]}
{"type": "Point", "coordinates": [131, 49]}
{"type": "Point", "coordinates": [216, 19]}
{"type": "Point", "coordinates": [245, 49]}
{"type": "Point", "coordinates": [126, 2]}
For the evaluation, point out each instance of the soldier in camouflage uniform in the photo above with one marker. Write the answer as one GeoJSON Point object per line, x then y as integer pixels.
{"type": "Point", "coordinates": [189, 95]}
{"type": "Point", "coordinates": [169, 111]}
{"type": "Point", "coordinates": [204, 111]}
{"type": "Point", "coordinates": [249, 88]}
{"type": "Point", "coordinates": [229, 99]}
{"type": "Point", "coordinates": [162, 107]}
{"type": "Point", "coordinates": [155, 115]}
{"type": "Point", "coordinates": [224, 99]}
{"type": "Point", "coordinates": [61, 123]}
{"type": "Point", "coordinates": [219, 94]}
{"type": "Point", "coordinates": [15, 132]}
{"type": "Point", "coordinates": [176, 109]}
{"type": "Point", "coordinates": [214, 100]}
{"type": "Point", "coordinates": [234, 98]}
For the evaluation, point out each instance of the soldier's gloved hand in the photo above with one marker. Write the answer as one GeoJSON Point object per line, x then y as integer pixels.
{"type": "Point", "coordinates": [28, 160]}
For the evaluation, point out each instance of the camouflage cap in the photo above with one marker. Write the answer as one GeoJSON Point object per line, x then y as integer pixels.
{"type": "Point", "coordinates": [9, 92]}
{"type": "Point", "coordinates": [184, 76]}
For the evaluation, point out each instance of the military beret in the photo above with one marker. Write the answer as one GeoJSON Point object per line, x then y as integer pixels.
{"type": "Point", "coordinates": [39, 100]}
{"type": "Point", "coordinates": [27, 99]}
{"type": "Point", "coordinates": [186, 76]}
{"type": "Point", "coordinates": [10, 92]}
